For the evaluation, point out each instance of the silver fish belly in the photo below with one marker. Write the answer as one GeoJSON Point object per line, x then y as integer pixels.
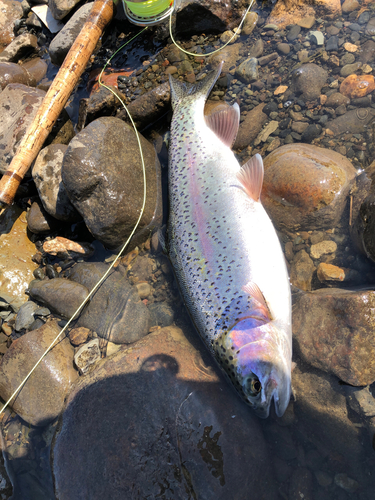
{"type": "Point", "coordinates": [225, 252]}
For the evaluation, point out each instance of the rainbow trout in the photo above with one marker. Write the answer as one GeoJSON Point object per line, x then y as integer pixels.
{"type": "Point", "coordinates": [225, 252]}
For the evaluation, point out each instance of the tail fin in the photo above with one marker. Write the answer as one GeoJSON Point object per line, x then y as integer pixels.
{"type": "Point", "coordinates": [180, 90]}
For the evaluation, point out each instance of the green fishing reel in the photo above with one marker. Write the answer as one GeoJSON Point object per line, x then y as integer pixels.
{"type": "Point", "coordinates": [149, 12]}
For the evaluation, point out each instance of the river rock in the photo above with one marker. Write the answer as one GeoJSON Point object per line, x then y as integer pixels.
{"type": "Point", "coordinates": [18, 106]}
{"type": "Point", "coordinates": [87, 355]}
{"type": "Point", "coordinates": [115, 312]}
{"type": "Point", "coordinates": [39, 221]}
{"type": "Point", "coordinates": [306, 187]}
{"type": "Point", "coordinates": [193, 417]}
{"type": "Point", "coordinates": [367, 52]}
{"type": "Point", "coordinates": [36, 69]}
{"type": "Point", "coordinates": [286, 12]}
{"type": "Point", "coordinates": [25, 316]}
{"type": "Point", "coordinates": [60, 45]}
{"type": "Point", "coordinates": [148, 107]}
{"type": "Point", "coordinates": [249, 24]}
{"type": "Point", "coordinates": [357, 86]}
{"type": "Point", "coordinates": [302, 270]}
{"type": "Point", "coordinates": [229, 54]}
{"type": "Point", "coordinates": [41, 398]}
{"type": "Point", "coordinates": [46, 173]}
{"type": "Point", "coordinates": [308, 80]}
{"type": "Point", "coordinates": [256, 50]}
{"type": "Point", "coordinates": [19, 47]}
{"type": "Point", "coordinates": [102, 174]}
{"type": "Point", "coordinates": [78, 336]}
{"type": "Point", "coordinates": [354, 121]}
{"type": "Point", "coordinates": [247, 71]}
{"type": "Point", "coordinates": [346, 345]}
{"type": "Point", "coordinates": [61, 8]}
{"type": "Point", "coordinates": [13, 73]}
{"type": "Point", "coordinates": [370, 27]}
{"type": "Point", "coordinates": [60, 295]}
{"type": "Point", "coordinates": [64, 248]}
{"type": "Point", "coordinates": [349, 6]}
{"type": "Point", "coordinates": [337, 99]}
{"type": "Point", "coordinates": [250, 127]}
{"type": "Point", "coordinates": [16, 250]}
{"type": "Point", "coordinates": [10, 11]}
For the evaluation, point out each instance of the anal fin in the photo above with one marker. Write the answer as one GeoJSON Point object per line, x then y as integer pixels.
{"type": "Point", "coordinates": [224, 122]}
{"type": "Point", "coordinates": [251, 177]}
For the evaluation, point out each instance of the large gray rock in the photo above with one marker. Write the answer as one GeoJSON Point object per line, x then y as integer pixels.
{"type": "Point", "coordinates": [354, 121]}
{"type": "Point", "coordinates": [46, 173]}
{"type": "Point", "coordinates": [60, 45]}
{"type": "Point", "coordinates": [61, 8]}
{"type": "Point", "coordinates": [309, 80]}
{"type": "Point", "coordinates": [115, 312]}
{"type": "Point", "coordinates": [18, 106]}
{"type": "Point", "coordinates": [155, 420]}
{"type": "Point", "coordinates": [20, 46]}
{"type": "Point", "coordinates": [250, 127]}
{"type": "Point", "coordinates": [102, 174]}
{"type": "Point", "coordinates": [41, 398]}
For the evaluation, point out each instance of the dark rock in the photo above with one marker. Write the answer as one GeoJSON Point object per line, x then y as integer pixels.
{"type": "Point", "coordinates": [267, 59]}
{"type": "Point", "coordinates": [102, 102]}
{"type": "Point", "coordinates": [36, 69]}
{"type": "Point", "coordinates": [19, 47]}
{"type": "Point", "coordinates": [39, 221]}
{"type": "Point", "coordinates": [367, 52]}
{"type": "Point", "coordinates": [311, 133]}
{"type": "Point", "coordinates": [345, 346]}
{"type": "Point", "coordinates": [306, 187]}
{"type": "Point", "coordinates": [309, 80]}
{"type": "Point", "coordinates": [247, 71]}
{"type": "Point", "coordinates": [301, 484]}
{"type": "Point", "coordinates": [250, 127]}
{"type": "Point", "coordinates": [115, 311]}
{"type": "Point", "coordinates": [60, 295]}
{"type": "Point", "coordinates": [271, 107]}
{"type": "Point", "coordinates": [302, 270]}
{"type": "Point", "coordinates": [97, 163]}
{"type": "Point", "coordinates": [61, 8]}
{"type": "Point", "coordinates": [41, 398]}
{"type": "Point", "coordinates": [60, 45]}
{"type": "Point", "coordinates": [332, 43]}
{"type": "Point", "coordinates": [161, 314]}
{"type": "Point", "coordinates": [13, 73]}
{"type": "Point", "coordinates": [352, 122]}
{"type": "Point", "coordinates": [195, 420]}
{"type": "Point", "coordinates": [293, 33]}
{"type": "Point", "coordinates": [336, 99]}
{"type": "Point", "coordinates": [283, 48]}
{"type": "Point", "coordinates": [11, 12]}
{"type": "Point", "coordinates": [25, 316]}
{"type": "Point", "coordinates": [46, 173]}
{"type": "Point", "coordinates": [256, 50]}
{"type": "Point", "coordinates": [362, 227]}
{"type": "Point", "coordinates": [149, 107]}
{"type": "Point", "coordinates": [18, 106]}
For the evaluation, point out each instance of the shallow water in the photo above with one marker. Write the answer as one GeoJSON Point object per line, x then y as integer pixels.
{"type": "Point", "coordinates": [322, 448]}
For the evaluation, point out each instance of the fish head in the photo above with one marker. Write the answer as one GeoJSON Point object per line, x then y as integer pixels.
{"type": "Point", "coordinates": [257, 366]}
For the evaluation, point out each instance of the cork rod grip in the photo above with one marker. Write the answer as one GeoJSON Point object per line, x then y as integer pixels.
{"type": "Point", "coordinates": [55, 99]}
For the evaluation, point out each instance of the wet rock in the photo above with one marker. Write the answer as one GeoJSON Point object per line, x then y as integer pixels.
{"type": "Point", "coordinates": [60, 295]}
{"type": "Point", "coordinates": [115, 312]}
{"type": "Point", "coordinates": [309, 80]}
{"type": "Point", "coordinates": [370, 28]}
{"type": "Point", "coordinates": [349, 6]}
{"type": "Point", "coordinates": [250, 22]}
{"type": "Point", "coordinates": [102, 102]}
{"type": "Point", "coordinates": [345, 346]}
{"type": "Point", "coordinates": [46, 173]}
{"type": "Point", "coordinates": [60, 45]}
{"type": "Point", "coordinates": [281, 441]}
{"type": "Point", "coordinates": [263, 61]}
{"type": "Point", "coordinates": [322, 248]}
{"type": "Point", "coordinates": [19, 47]}
{"type": "Point", "coordinates": [302, 270]}
{"type": "Point", "coordinates": [41, 399]}
{"type": "Point", "coordinates": [192, 416]}
{"type": "Point", "coordinates": [346, 483]}
{"type": "Point", "coordinates": [25, 316]}
{"type": "Point", "coordinates": [293, 32]}
{"type": "Point", "coordinates": [10, 11]}
{"type": "Point", "coordinates": [230, 55]}
{"type": "Point", "coordinates": [161, 314]}
{"type": "Point", "coordinates": [87, 356]}
{"type": "Point", "coordinates": [283, 48]}
{"type": "Point", "coordinates": [349, 69]}
{"type": "Point", "coordinates": [39, 221]}
{"type": "Point", "coordinates": [357, 86]}
{"type": "Point", "coordinates": [318, 38]}
{"type": "Point", "coordinates": [78, 336]}
{"type": "Point", "coordinates": [361, 400]}
{"type": "Point", "coordinates": [13, 73]}
{"type": "Point", "coordinates": [337, 99]}
{"type": "Point", "coordinates": [61, 8]}
{"type": "Point", "coordinates": [311, 132]}
{"type": "Point", "coordinates": [144, 290]}
{"type": "Point", "coordinates": [301, 484]}
{"type": "Point", "coordinates": [247, 71]}
{"type": "Point", "coordinates": [367, 52]}
{"type": "Point", "coordinates": [149, 107]}
{"type": "Point", "coordinates": [68, 249]}
{"type": "Point", "coordinates": [36, 69]}
{"type": "Point", "coordinates": [18, 106]}
{"type": "Point", "coordinates": [329, 272]}
{"type": "Point", "coordinates": [354, 121]}
{"type": "Point", "coordinates": [95, 164]}
{"type": "Point", "coordinates": [306, 187]}
{"type": "Point", "coordinates": [250, 127]}
{"type": "Point", "coordinates": [362, 227]}
{"type": "Point", "coordinates": [256, 50]}
{"type": "Point", "coordinates": [16, 250]}
{"type": "Point", "coordinates": [286, 12]}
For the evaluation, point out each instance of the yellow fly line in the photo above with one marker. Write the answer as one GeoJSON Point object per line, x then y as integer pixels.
{"type": "Point", "coordinates": [152, 8]}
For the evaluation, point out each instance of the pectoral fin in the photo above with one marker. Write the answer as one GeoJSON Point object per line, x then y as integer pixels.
{"type": "Point", "coordinates": [224, 122]}
{"type": "Point", "coordinates": [251, 176]}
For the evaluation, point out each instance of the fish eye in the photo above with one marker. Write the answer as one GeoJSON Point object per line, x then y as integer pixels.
{"type": "Point", "coordinates": [252, 386]}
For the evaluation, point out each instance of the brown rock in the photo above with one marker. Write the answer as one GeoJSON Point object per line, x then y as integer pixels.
{"type": "Point", "coordinates": [354, 121]}
{"type": "Point", "coordinates": [349, 6]}
{"type": "Point", "coordinates": [302, 270]}
{"type": "Point", "coordinates": [36, 69]}
{"type": "Point", "coordinates": [329, 272]}
{"type": "Point", "coordinates": [64, 248]}
{"type": "Point", "coordinates": [163, 400]}
{"type": "Point", "coordinates": [345, 346]}
{"type": "Point", "coordinates": [20, 46]}
{"type": "Point", "coordinates": [12, 73]}
{"type": "Point", "coordinates": [367, 52]}
{"type": "Point", "coordinates": [230, 55]}
{"type": "Point", "coordinates": [336, 99]}
{"type": "Point", "coordinates": [41, 398]}
{"type": "Point", "coordinates": [16, 266]}
{"type": "Point", "coordinates": [306, 187]}
{"type": "Point", "coordinates": [293, 11]}
{"type": "Point", "coordinates": [10, 11]}
{"type": "Point", "coordinates": [357, 86]}
{"type": "Point", "coordinates": [309, 79]}
{"type": "Point", "coordinates": [322, 248]}
{"type": "Point", "coordinates": [78, 336]}
{"type": "Point", "coordinates": [250, 22]}
{"type": "Point", "coordinates": [39, 221]}
{"type": "Point", "coordinates": [250, 127]}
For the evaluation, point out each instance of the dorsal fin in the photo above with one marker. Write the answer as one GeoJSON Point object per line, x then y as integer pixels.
{"type": "Point", "coordinates": [224, 122]}
{"type": "Point", "coordinates": [254, 291]}
{"type": "Point", "coordinates": [251, 176]}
